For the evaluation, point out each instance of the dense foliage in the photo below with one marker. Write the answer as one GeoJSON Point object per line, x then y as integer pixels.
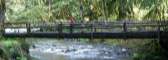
{"type": "Point", "coordinates": [51, 10]}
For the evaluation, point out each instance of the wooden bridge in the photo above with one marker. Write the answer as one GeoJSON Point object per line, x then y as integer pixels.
{"type": "Point", "coordinates": [115, 30]}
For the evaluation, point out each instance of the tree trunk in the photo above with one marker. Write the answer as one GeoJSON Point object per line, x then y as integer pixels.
{"type": "Point", "coordinates": [2, 11]}
{"type": "Point", "coordinates": [2, 16]}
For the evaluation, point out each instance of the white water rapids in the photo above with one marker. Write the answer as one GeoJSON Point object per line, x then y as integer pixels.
{"type": "Point", "coordinates": [72, 50]}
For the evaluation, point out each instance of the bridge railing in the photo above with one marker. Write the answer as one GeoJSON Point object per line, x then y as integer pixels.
{"type": "Point", "coordinates": [91, 27]}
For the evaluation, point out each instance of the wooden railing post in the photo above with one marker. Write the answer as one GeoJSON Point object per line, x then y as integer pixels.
{"type": "Point", "coordinates": [60, 28]}
{"type": "Point", "coordinates": [92, 31]}
{"type": "Point", "coordinates": [94, 27]}
{"type": "Point", "coordinates": [71, 28]}
{"type": "Point", "coordinates": [125, 27]}
{"type": "Point", "coordinates": [159, 25]}
{"type": "Point", "coordinates": [28, 28]}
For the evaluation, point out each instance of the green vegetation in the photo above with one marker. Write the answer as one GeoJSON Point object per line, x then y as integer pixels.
{"type": "Point", "coordinates": [53, 10]}
{"type": "Point", "coordinates": [61, 10]}
{"type": "Point", "coordinates": [12, 49]}
{"type": "Point", "coordinates": [151, 51]}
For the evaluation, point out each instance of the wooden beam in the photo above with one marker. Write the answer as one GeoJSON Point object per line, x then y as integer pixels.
{"type": "Point", "coordinates": [119, 35]}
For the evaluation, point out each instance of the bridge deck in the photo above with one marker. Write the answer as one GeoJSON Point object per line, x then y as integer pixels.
{"type": "Point", "coordinates": [118, 35]}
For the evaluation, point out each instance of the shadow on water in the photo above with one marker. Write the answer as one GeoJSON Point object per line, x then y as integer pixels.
{"type": "Point", "coordinates": [68, 49]}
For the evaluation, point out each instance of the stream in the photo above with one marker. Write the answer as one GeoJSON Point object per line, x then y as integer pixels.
{"type": "Point", "coordinates": [68, 49]}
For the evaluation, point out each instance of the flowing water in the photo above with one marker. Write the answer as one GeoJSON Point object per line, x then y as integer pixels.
{"type": "Point", "coordinates": [67, 49]}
